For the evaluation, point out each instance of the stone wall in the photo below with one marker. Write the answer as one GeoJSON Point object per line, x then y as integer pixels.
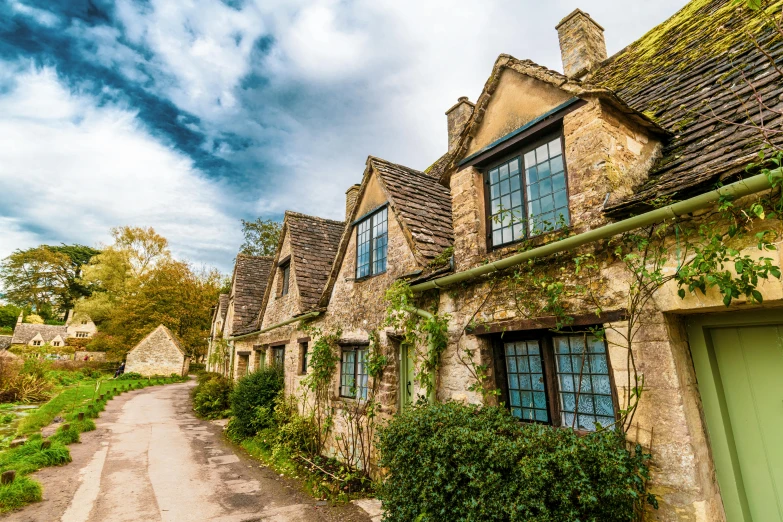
{"type": "Point", "coordinates": [93, 356]}
{"type": "Point", "coordinates": [156, 354]}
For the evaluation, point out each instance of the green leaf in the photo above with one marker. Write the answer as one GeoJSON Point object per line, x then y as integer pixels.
{"type": "Point", "coordinates": [681, 293]}
{"type": "Point", "coordinates": [757, 296]}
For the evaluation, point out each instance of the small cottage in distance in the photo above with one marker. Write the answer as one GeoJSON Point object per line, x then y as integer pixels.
{"type": "Point", "coordinates": [159, 353]}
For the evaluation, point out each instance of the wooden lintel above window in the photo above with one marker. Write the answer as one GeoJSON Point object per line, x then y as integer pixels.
{"type": "Point", "coordinates": [285, 260]}
{"type": "Point", "coordinates": [303, 340]}
{"type": "Point", "coordinates": [353, 342]}
{"type": "Point", "coordinates": [545, 323]}
{"type": "Point", "coordinates": [244, 353]}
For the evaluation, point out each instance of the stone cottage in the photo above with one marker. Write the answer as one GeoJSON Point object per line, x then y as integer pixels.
{"type": "Point", "coordinates": [523, 237]}
{"type": "Point", "coordinates": [219, 313]}
{"type": "Point", "coordinates": [159, 353]}
{"type": "Point", "coordinates": [75, 327]}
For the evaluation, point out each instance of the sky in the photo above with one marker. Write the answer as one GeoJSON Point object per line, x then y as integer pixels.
{"type": "Point", "coordinates": [191, 115]}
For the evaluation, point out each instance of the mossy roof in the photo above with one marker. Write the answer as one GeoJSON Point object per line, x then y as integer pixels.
{"type": "Point", "coordinates": [692, 75]}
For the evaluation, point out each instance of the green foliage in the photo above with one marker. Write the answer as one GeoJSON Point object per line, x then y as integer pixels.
{"type": "Point", "coordinates": [322, 365]}
{"type": "Point", "coordinates": [31, 457]}
{"type": "Point", "coordinates": [26, 383]}
{"type": "Point", "coordinates": [211, 396]}
{"type": "Point", "coordinates": [261, 236]}
{"type": "Point", "coordinates": [456, 462]}
{"type": "Point", "coordinates": [253, 401]}
{"type": "Point", "coordinates": [20, 492]}
{"type": "Point", "coordinates": [416, 330]}
{"type": "Point", "coordinates": [130, 376]}
{"type": "Point", "coordinates": [8, 316]}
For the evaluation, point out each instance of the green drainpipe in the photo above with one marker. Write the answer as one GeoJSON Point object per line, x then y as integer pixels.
{"type": "Point", "coordinates": [735, 190]}
{"type": "Point", "coordinates": [308, 315]}
{"type": "Point", "coordinates": [432, 395]}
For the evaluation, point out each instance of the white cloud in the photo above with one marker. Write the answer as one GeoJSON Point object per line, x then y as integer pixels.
{"type": "Point", "coordinates": [41, 16]}
{"type": "Point", "coordinates": [74, 169]}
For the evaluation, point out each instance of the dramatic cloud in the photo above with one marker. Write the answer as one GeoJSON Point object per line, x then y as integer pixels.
{"type": "Point", "coordinates": [190, 115]}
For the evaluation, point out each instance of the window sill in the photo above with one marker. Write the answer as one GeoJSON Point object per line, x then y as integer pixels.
{"type": "Point", "coordinates": [533, 242]}
{"type": "Point", "coordinates": [365, 278]}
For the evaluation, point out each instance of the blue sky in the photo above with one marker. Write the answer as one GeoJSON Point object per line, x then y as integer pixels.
{"type": "Point", "coordinates": [189, 115]}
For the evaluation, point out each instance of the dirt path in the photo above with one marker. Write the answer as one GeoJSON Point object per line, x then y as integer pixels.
{"type": "Point", "coordinates": [151, 460]}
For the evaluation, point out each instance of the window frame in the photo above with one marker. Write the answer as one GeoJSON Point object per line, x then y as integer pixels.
{"type": "Point", "coordinates": [285, 276]}
{"type": "Point", "coordinates": [368, 217]}
{"type": "Point", "coordinates": [552, 389]}
{"type": "Point", "coordinates": [82, 335]}
{"type": "Point", "coordinates": [358, 395]}
{"type": "Point", "coordinates": [304, 352]}
{"type": "Point", "coordinates": [545, 136]}
{"type": "Point", "coordinates": [279, 348]}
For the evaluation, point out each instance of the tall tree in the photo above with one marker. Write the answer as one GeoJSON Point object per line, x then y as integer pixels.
{"type": "Point", "coordinates": [46, 277]}
{"type": "Point", "coordinates": [261, 236]}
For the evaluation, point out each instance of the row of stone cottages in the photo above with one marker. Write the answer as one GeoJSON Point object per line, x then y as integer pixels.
{"type": "Point", "coordinates": [577, 151]}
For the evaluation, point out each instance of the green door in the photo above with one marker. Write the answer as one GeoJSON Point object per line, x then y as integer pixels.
{"type": "Point", "coordinates": [740, 372]}
{"type": "Point", "coordinates": [406, 377]}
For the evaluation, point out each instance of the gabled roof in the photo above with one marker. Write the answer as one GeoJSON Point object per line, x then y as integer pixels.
{"type": "Point", "coordinates": [533, 70]}
{"type": "Point", "coordinates": [24, 332]}
{"type": "Point", "coordinates": [251, 275]}
{"type": "Point", "coordinates": [314, 243]}
{"type": "Point", "coordinates": [421, 205]}
{"type": "Point", "coordinates": [223, 306]}
{"type": "Point", "coordinates": [171, 336]}
{"type": "Point", "coordinates": [686, 74]}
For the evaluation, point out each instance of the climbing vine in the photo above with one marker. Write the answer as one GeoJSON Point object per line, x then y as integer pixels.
{"type": "Point", "coordinates": [418, 330]}
{"type": "Point", "coordinates": [317, 384]}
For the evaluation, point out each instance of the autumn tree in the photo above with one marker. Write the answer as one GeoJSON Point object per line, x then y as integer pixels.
{"type": "Point", "coordinates": [140, 286]}
{"type": "Point", "coordinates": [46, 278]}
{"type": "Point", "coordinates": [261, 236]}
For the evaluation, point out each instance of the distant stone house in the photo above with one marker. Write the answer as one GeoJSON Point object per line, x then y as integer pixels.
{"type": "Point", "coordinates": [78, 327]}
{"type": "Point", "coordinates": [159, 353]}
{"type": "Point", "coordinates": [570, 154]}
{"type": "Point", "coordinates": [248, 284]}
{"type": "Point", "coordinates": [219, 313]}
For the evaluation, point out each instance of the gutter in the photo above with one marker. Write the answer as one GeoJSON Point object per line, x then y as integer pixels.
{"type": "Point", "coordinates": [308, 315]}
{"type": "Point", "coordinates": [735, 190]}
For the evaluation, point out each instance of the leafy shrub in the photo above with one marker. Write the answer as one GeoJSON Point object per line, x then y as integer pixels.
{"type": "Point", "coordinates": [456, 462]}
{"type": "Point", "coordinates": [130, 376]}
{"type": "Point", "coordinates": [211, 396]}
{"type": "Point", "coordinates": [18, 493]}
{"type": "Point", "coordinates": [253, 401]}
{"type": "Point", "coordinates": [26, 382]}
{"type": "Point", "coordinates": [292, 430]}
{"type": "Point", "coordinates": [197, 367]}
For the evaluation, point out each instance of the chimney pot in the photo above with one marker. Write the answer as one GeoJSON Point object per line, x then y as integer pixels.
{"type": "Point", "coordinates": [456, 119]}
{"type": "Point", "coordinates": [350, 200]}
{"type": "Point", "coordinates": [582, 45]}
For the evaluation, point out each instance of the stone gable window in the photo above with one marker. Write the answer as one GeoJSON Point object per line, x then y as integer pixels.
{"type": "Point", "coordinates": [353, 372]}
{"type": "Point", "coordinates": [558, 379]}
{"type": "Point", "coordinates": [527, 192]}
{"type": "Point", "coordinates": [36, 343]}
{"type": "Point", "coordinates": [81, 335]}
{"type": "Point", "coordinates": [371, 244]}
{"type": "Point", "coordinates": [285, 277]}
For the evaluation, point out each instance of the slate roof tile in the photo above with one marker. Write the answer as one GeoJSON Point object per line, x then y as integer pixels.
{"type": "Point", "coordinates": [5, 342]}
{"type": "Point", "coordinates": [314, 244]}
{"type": "Point", "coordinates": [423, 204]}
{"type": "Point", "coordinates": [24, 332]}
{"type": "Point", "coordinates": [251, 275]}
{"type": "Point", "coordinates": [691, 75]}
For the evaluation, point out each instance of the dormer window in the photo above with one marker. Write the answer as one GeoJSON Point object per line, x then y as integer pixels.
{"type": "Point", "coordinates": [285, 276]}
{"type": "Point", "coordinates": [527, 193]}
{"type": "Point", "coordinates": [36, 343]}
{"type": "Point", "coordinates": [371, 243]}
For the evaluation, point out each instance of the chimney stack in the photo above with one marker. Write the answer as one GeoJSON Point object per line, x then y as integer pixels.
{"type": "Point", "coordinates": [457, 117]}
{"type": "Point", "coordinates": [582, 45]}
{"type": "Point", "coordinates": [20, 318]}
{"type": "Point", "coordinates": [350, 200]}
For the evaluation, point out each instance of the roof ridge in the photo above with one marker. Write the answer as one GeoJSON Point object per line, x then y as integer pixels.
{"type": "Point", "coordinates": [251, 256]}
{"type": "Point", "coordinates": [308, 216]}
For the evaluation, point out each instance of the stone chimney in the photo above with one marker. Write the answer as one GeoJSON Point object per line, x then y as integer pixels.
{"type": "Point", "coordinates": [350, 200]}
{"type": "Point", "coordinates": [20, 318]}
{"type": "Point", "coordinates": [457, 117]}
{"type": "Point", "coordinates": [582, 45]}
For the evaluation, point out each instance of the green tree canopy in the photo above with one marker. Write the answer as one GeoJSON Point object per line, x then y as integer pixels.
{"type": "Point", "coordinates": [46, 277]}
{"type": "Point", "coordinates": [261, 236]}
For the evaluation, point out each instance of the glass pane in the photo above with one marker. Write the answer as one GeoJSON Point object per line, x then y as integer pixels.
{"type": "Point", "coordinates": [494, 191]}
{"type": "Point", "coordinates": [530, 159]}
{"type": "Point", "coordinates": [526, 387]}
{"type": "Point", "coordinates": [532, 175]}
{"type": "Point", "coordinates": [513, 166]}
{"type": "Point", "coordinates": [505, 187]}
{"type": "Point", "coordinates": [586, 373]}
{"type": "Point", "coordinates": [556, 164]}
{"type": "Point", "coordinates": [516, 199]}
{"type": "Point", "coordinates": [541, 154]}
{"type": "Point", "coordinates": [543, 170]}
{"type": "Point", "coordinates": [515, 183]}
{"type": "Point", "coordinates": [561, 200]}
{"type": "Point", "coordinates": [493, 176]}
{"type": "Point", "coordinates": [503, 169]}
{"type": "Point", "coordinates": [558, 181]}
{"type": "Point", "coordinates": [555, 147]}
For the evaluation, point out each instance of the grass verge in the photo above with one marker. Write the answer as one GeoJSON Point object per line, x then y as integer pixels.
{"type": "Point", "coordinates": [32, 456]}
